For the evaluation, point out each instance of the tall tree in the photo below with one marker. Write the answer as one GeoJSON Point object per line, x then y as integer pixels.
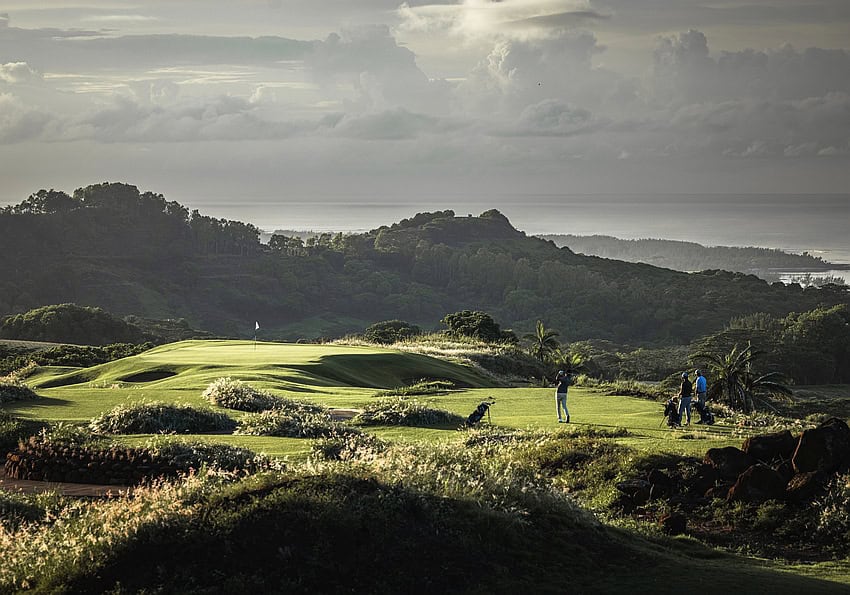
{"type": "Point", "coordinates": [543, 342]}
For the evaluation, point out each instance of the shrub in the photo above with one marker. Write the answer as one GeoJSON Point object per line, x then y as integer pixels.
{"type": "Point", "coordinates": [13, 429]}
{"type": "Point", "coordinates": [292, 424]}
{"type": "Point", "coordinates": [423, 387]}
{"type": "Point", "coordinates": [156, 417]}
{"type": "Point", "coordinates": [235, 394]}
{"type": "Point", "coordinates": [398, 411]}
{"type": "Point", "coordinates": [192, 454]}
{"type": "Point", "coordinates": [13, 390]}
{"type": "Point", "coordinates": [347, 447]}
{"type": "Point", "coordinates": [390, 331]}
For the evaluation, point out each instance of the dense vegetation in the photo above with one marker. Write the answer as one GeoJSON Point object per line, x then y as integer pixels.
{"type": "Point", "coordinates": [70, 323]}
{"type": "Point", "coordinates": [136, 253]}
{"type": "Point", "coordinates": [690, 256]}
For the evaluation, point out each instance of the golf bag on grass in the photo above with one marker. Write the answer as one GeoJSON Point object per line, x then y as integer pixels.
{"type": "Point", "coordinates": [671, 412]}
{"type": "Point", "coordinates": [706, 417]}
{"type": "Point", "coordinates": [476, 416]}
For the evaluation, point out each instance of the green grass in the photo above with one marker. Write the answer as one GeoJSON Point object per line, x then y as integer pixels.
{"type": "Point", "coordinates": [338, 376]}
{"type": "Point", "coordinates": [348, 376]}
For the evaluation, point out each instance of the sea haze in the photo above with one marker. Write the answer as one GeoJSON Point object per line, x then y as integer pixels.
{"type": "Point", "coordinates": [817, 223]}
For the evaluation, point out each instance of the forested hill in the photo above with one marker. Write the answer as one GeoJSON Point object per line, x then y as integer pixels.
{"type": "Point", "coordinates": [111, 246]}
{"type": "Point", "coordinates": [690, 256]}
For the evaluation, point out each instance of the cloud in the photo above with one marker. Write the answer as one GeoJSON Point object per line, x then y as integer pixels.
{"type": "Point", "coordinates": [498, 18]}
{"type": "Point", "coordinates": [394, 124]}
{"type": "Point", "coordinates": [367, 69]}
{"type": "Point", "coordinates": [19, 122]}
{"type": "Point", "coordinates": [18, 72]}
{"type": "Point", "coordinates": [684, 71]}
{"type": "Point", "coordinates": [552, 117]}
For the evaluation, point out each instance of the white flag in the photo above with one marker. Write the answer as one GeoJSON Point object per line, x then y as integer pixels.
{"type": "Point", "coordinates": [256, 326]}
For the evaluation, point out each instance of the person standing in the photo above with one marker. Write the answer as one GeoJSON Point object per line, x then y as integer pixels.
{"type": "Point", "coordinates": [701, 388]}
{"type": "Point", "coordinates": [562, 381]}
{"type": "Point", "coordinates": [685, 394]}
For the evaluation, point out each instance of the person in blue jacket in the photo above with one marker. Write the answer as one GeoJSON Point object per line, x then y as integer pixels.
{"type": "Point", "coordinates": [700, 388]}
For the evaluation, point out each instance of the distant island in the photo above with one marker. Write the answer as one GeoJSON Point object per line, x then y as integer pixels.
{"type": "Point", "coordinates": [767, 263]}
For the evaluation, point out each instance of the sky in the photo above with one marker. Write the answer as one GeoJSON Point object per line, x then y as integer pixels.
{"type": "Point", "coordinates": [266, 103]}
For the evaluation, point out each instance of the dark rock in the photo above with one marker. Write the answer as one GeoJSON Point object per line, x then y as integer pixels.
{"type": "Point", "coordinates": [806, 487]}
{"type": "Point", "coordinates": [660, 484]}
{"type": "Point", "coordinates": [705, 478]}
{"type": "Point", "coordinates": [719, 491]}
{"type": "Point", "coordinates": [674, 523]}
{"type": "Point", "coordinates": [637, 490]}
{"type": "Point", "coordinates": [825, 448]}
{"type": "Point", "coordinates": [729, 461]}
{"type": "Point", "coordinates": [771, 447]}
{"type": "Point", "coordinates": [757, 484]}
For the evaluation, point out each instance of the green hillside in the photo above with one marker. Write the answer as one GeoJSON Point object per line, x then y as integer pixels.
{"type": "Point", "coordinates": [135, 253]}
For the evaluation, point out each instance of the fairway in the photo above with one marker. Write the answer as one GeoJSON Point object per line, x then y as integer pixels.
{"type": "Point", "coordinates": [338, 376]}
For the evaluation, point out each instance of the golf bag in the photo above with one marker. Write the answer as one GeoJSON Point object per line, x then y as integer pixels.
{"type": "Point", "coordinates": [671, 412]}
{"type": "Point", "coordinates": [476, 416]}
{"type": "Point", "coordinates": [705, 416]}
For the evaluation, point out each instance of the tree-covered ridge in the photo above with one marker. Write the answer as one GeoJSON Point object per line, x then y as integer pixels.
{"type": "Point", "coordinates": [70, 323]}
{"type": "Point", "coordinates": [136, 253]}
{"type": "Point", "coordinates": [689, 256]}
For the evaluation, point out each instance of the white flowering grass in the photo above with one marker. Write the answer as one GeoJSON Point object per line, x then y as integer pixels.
{"type": "Point", "coordinates": [292, 424]}
{"type": "Point", "coordinates": [152, 417]}
{"type": "Point", "coordinates": [401, 411]}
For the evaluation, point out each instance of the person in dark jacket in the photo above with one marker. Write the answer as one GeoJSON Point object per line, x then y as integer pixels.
{"type": "Point", "coordinates": [685, 393]}
{"type": "Point", "coordinates": [562, 382]}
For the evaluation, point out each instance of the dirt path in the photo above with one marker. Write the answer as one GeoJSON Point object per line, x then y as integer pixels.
{"type": "Point", "coordinates": [79, 490]}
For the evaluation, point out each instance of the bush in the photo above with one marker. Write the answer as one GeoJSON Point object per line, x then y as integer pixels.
{"type": "Point", "coordinates": [423, 387]}
{"type": "Point", "coordinates": [193, 454]}
{"type": "Point", "coordinates": [390, 331]}
{"type": "Point", "coordinates": [15, 391]}
{"type": "Point", "coordinates": [156, 417]}
{"type": "Point", "coordinates": [347, 447]}
{"type": "Point", "coordinates": [235, 394]}
{"type": "Point", "coordinates": [292, 424]}
{"type": "Point", "coordinates": [12, 430]}
{"type": "Point", "coordinates": [70, 323]}
{"type": "Point", "coordinates": [398, 411]}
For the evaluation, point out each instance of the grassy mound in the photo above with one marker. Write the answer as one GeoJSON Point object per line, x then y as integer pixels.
{"type": "Point", "coordinates": [423, 387]}
{"type": "Point", "coordinates": [292, 423]}
{"type": "Point", "coordinates": [481, 525]}
{"type": "Point", "coordinates": [15, 391]}
{"type": "Point", "coordinates": [235, 394]}
{"type": "Point", "coordinates": [156, 417]}
{"type": "Point", "coordinates": [400, 411]}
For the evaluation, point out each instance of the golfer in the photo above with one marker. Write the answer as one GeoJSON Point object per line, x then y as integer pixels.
{"type": "Point", "coordinates": [685, 393]}
{"type": "Point", "coordinates": [563, 381]}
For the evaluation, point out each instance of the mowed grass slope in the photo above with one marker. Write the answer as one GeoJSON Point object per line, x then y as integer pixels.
{"type": "Point", "coordinates": [336, 376]}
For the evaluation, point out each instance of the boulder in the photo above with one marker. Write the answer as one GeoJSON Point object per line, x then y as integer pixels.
{"type": "Point", "coordinates": [806, 487]}
{"type": "Point", "coordinates": [674, 523]}
{"type": "Point", "coordinates": [705, 478]}
{"type": "Point", "coordinates": [825, 448]}
{"type": "Point", "coordinates": [729, 461]}
{"type": "Point", "coordinates": [757, 484]}
{"type": "Point", "coordinates": [660, 483]}
{"type": "Point", "coordinates": [637, 490]}
{"type": "Point", "coordinates": [771, 447]}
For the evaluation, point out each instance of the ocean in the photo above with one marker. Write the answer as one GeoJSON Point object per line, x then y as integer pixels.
{"type": "Point", "coordinates": [816, 223]}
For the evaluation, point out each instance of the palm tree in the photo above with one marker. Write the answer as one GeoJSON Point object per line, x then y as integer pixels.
{"type": "Point", "coordinates": [543, 342]}
{"type": "Point", "coordinates": [733, 380]}
{"type": "Point", "coordinates": [571, 363]}
{"type": "Point", "coordinates": [772, 383]}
